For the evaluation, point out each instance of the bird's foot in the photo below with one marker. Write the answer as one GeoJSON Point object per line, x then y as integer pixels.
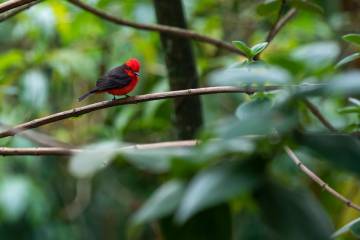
{"type": "Point", "coordinates": [126, 96]}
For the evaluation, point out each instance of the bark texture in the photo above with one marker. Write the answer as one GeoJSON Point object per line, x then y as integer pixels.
{"type": "Point", "coordinates": [181, 67]}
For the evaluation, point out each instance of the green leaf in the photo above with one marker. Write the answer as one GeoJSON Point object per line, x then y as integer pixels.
{"type": "Point", "coordinates": [344, 84]}
{"type": "Point", "coordinates": [213, 186]}
{"type": "Point", "coordinates": [307, 6]}
{"type": "Point", "coordinates": [352, 38]}
{"type": "Point", "coordinates": [293, 214]}
{"type": "Point", "coordinates": [161, 203]}
{"type": "Point", "coordinates": [155, 160]}
{"type": "Point", "coordinates": [350, 109]}
{"type": "Point", "coordinates": [258, 48]}
{"type": "Point", "coordinates": [347, 59]}
{"type": "Point", "coordinates": [269, 7]}
{"type": "Point", "coordinates": [354, 225]}
{"type": "Point", "coordinates": [317, 56]}
{"type": "Point", "coordinates": [15, 194]}
{"type": "Point", "coordinates": [341, 150]}
{"type": "Point", "coordinates": [261, 119]}
{"type": "Point", "coordinates": [253, 107]}
{"type": "Point", "coordinates": [92, 159]}
{"type": "Point", "coordinates": [217, 148]}
{"type": "Point", "coordinates": [243, 47]}
{"type": "Point", "coordinates": [354, 101]}
{"type": "Point", "coordinates": [254, 74]}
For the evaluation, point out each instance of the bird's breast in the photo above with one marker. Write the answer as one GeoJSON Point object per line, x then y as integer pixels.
{"type": "Point", "coordinates": [125, 90]}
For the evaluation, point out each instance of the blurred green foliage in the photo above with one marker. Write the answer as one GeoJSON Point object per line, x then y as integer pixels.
{"type": "Point", "coordinates": [238, 178]}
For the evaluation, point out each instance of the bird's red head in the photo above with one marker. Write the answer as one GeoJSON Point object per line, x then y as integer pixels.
{"type": "Point", "coordinates": [133, 64]}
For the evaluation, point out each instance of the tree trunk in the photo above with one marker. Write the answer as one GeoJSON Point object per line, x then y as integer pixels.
{"type": "Point", "coordinates": [181, 68]}
{"type": "Point", "coordinates": [182, 74]}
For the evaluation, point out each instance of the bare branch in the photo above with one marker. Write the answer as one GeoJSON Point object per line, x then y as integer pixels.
{"type": "Point", "coordinates": [280, 24]}
{"type": "Point", "coordinates": [11, 4]}
{"type": "Point", "coordinates": [17, 10]}
{"type": "Point", "coordinates": [318, 180]}
{"type": "Point", "coordinates": [316, 112]}
{"type": "Point", "coordinates": [53, 151]}
{"type": "Point", "coordinates": [186, 143]}
{"type": "Point", "coordinates": [75, 112]}
{"type": "Point", "coordinates": [158, 28]}
{"type": "Point", "coordinates": [40, 151]}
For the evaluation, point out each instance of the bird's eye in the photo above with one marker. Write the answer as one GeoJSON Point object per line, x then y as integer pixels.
{"type": "Point", "coordinates": [136, 73]}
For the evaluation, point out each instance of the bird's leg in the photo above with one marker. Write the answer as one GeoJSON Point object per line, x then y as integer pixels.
{"type": "Point", "coordinates": [114, 98]}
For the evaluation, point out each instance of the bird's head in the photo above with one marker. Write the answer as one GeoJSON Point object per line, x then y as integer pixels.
{"type": "Point", "coordinates": [134, 65]}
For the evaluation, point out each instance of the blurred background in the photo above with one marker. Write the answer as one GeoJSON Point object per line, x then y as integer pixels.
{"type": "Point", "coordinates": [54, 52]}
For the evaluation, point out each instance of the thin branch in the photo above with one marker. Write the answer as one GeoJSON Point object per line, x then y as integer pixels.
{"type": "Point", "coordinates": [279, 24]}
{"type": "Point", "coordinates": [11, 4]}
{"type": "Point", "coordinates": [75, 112]}
{"type": "Point", "coordinates": [17, 10]}
{"type": "Point", "coordinates": [187, 143]}
{"type": "Point", "coordinates": [316, 112]}
{"type": "Point", "coordinates": [40, 151]}
{"type": "Point", "coordinates": [158, 28]}
{"type": "Point", "coordinates": [318, 180]}
{"type": "Point", "coordinates": [53, 151]}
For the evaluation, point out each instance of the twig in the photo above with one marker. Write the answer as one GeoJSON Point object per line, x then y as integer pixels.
{"type": "Point", "coordinates": [158, 28]}
{"type": "Point", "coordinates": [316, 112]}
{"type": "Point", "coordinates": [40, 151]}
{"type": "Point", "coordinates": [75, 112]}
{"type": "Point", "coordinates": [11, 4]}
{"type": "Point", "coordinates": [280, 24]}
{"type": "Point", "coordinates": [318, 180]}
{"type": "Point", "coordinates": [52, 151]}
{"type": "Point", "coordinates": [17, 10]}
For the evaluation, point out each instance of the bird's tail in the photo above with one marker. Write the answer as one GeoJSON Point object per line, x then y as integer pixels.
{"type": "Point", "coordinates": [86, 95]}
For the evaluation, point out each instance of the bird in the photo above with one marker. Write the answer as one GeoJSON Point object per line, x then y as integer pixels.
{"type": "Point", "coordinates": [118, 81]}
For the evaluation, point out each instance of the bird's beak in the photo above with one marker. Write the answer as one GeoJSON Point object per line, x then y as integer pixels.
{"type": "Point", "coordinates": [137, 74]}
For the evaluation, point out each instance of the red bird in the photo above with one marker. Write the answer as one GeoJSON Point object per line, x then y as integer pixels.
{"type": "Point", "coordinates": [118, 81]}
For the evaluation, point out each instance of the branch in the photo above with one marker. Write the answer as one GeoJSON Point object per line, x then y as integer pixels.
{"type": "Point", "coordinates": [11, 4]}
{"type": "Point", "coordinates": [53, 151]}
{"type": "Point", "coordinates": [318, 180]}
{"type": "Point", "coordinates": [279, 24]}
{"type": "Point", "coordinates": [158, 28]}
{"type": "Point", "coordinates": [187, 143]}
{"type": "Point", "coordinates": [75, 112]}
{"type": "Point", "coordinates": [316, 112]}
{"type": "Point", "coordinates": [17, 10]}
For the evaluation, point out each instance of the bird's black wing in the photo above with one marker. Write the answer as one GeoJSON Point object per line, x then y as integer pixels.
{"type": "Point", "coordinates": [115, 78]}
